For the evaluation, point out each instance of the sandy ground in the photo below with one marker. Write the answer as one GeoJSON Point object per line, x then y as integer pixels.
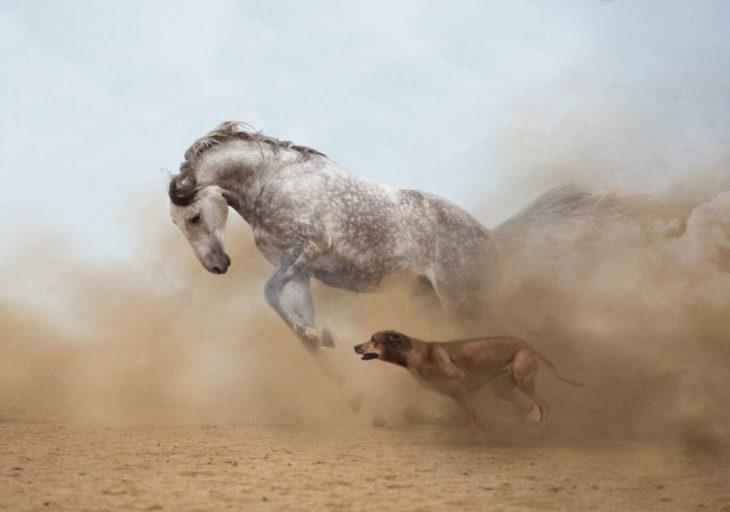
{"type": "Point", "coordinates": [216, 466]}
{"type": "Point", "coordinates": [161, 387]}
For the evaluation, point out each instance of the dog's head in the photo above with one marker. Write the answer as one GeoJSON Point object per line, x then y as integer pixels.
{"type": "Point", "coordinates": [388, 346]}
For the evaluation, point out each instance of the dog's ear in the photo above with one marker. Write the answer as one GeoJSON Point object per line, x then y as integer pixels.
{"type": "Point", "coordinates": [406, 342]}
{"type": "Point", "coordinates": [400, 340]}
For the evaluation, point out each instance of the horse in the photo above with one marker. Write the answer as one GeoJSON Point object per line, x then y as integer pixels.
{"type": "Point", "coordinates": [312, 219]}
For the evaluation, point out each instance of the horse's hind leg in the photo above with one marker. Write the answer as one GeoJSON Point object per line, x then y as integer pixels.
{"type": "Point", "coordinates": [464, 294]}
{"type": "Point", "coordinates": [465, 273]}
{"type": "Point", "coordinates": [423, 301]}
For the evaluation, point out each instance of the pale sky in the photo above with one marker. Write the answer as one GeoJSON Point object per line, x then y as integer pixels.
{"type": "Point", "coordinates": [469, 100]}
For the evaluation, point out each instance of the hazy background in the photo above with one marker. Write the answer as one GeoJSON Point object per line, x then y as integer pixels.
{"type": "Point", "coordinates": [105, 310]}
{"type": "Point", "coordinates": [458, 99]}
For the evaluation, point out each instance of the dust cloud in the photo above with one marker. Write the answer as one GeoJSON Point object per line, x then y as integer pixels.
{"type": "Point", "coordinates": [638, 312]}
{"type": "Point", "coordinates": [152, 337]}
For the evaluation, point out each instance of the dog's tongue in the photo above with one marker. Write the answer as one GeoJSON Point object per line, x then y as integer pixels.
{"type": "Point", "coordinates": [365, 357]}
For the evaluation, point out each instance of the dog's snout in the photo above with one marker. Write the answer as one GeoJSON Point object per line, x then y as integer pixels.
{"type": "Point", "coordinates": [358, 349]}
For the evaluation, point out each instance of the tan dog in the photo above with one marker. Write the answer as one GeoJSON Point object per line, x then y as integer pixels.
{"type": "Point", "coordinates": [459, 368]}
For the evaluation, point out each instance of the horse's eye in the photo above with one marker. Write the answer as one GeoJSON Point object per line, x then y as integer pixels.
{"type": "Point", "coordinates": [195, 218]}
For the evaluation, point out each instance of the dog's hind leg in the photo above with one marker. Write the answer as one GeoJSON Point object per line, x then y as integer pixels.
{"type": "Point", "coordinates": [504, 387]}
{"type": "Point", "coordinates": [544, 407]}
{"type": "Point", "coordinates": [524, 369]}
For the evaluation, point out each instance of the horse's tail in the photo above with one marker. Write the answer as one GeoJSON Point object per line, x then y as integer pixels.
{"type": "Point", "coordinates": [555, 372]}
{"type": "Point", "coordinates": [570, 208]}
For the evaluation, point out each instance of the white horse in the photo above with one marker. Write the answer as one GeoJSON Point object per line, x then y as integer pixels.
{"type": "Point", "coordinates": [313, 219]}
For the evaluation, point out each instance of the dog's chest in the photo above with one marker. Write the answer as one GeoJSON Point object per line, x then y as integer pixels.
{"type": "Point", "coordinates": [434, 380]}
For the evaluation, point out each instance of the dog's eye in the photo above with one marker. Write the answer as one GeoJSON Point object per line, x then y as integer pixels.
{"type": "Point", "coordinates": [195, 218]}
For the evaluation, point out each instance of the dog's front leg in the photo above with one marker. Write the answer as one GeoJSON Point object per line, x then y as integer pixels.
{"type": "Point", "coordinates": [464, 399]}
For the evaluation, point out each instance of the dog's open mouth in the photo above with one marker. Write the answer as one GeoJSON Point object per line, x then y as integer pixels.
{"type": "Point", "coordinates": [370, 355]}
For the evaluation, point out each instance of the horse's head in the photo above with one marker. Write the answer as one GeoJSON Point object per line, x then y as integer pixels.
{"type": "Point", "coordinates": [202, 219]}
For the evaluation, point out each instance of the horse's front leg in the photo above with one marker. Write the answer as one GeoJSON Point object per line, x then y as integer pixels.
{"type": "Point", "coordinates": [299, 298]}
{"type": "Point", "coordinates": [297, 311]}
{"type": "Point", "coordinates": [290, 278]}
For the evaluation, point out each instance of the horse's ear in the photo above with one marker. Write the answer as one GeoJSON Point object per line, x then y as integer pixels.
{"type": "Point", "coordinates": [230, 199]}
{"type": "Point", "coordinates": [167, 177]}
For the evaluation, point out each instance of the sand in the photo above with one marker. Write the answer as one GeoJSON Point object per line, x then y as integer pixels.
{"type": "Point", "coordinates": [52, 465]}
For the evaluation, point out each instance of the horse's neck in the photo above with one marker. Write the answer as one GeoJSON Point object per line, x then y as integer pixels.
{"type": "Point", "coordinates": [242, 172]}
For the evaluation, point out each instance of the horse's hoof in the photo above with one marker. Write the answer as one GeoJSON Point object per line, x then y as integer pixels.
{"type": "Point", "coordinates": [327, 339]}
{"type": "Point", "coordinates": [355, 399]}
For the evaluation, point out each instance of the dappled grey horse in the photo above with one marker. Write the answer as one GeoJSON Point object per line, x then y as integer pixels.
{"type": "Point", "coordinates": [313, 219]}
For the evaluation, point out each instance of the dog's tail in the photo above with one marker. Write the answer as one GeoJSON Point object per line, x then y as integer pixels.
{"type": "Point", "coordinates": [555, 372]}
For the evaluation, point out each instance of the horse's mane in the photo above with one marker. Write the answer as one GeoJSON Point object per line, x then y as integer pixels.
{"type": "Point", "coordinates": [183, 187]}
{"type": "Point", "coordinates": [237, 130]}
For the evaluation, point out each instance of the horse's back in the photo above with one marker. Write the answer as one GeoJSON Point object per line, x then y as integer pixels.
{"type": "Point", "coordinates": [378, 231]}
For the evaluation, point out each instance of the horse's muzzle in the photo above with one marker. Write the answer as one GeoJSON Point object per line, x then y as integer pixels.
{"type": "Point", "coordinates": [222, 267]}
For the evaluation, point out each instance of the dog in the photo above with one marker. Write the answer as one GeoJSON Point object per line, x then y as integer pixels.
{"type": "Point", "coordinates": [460, 368]}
